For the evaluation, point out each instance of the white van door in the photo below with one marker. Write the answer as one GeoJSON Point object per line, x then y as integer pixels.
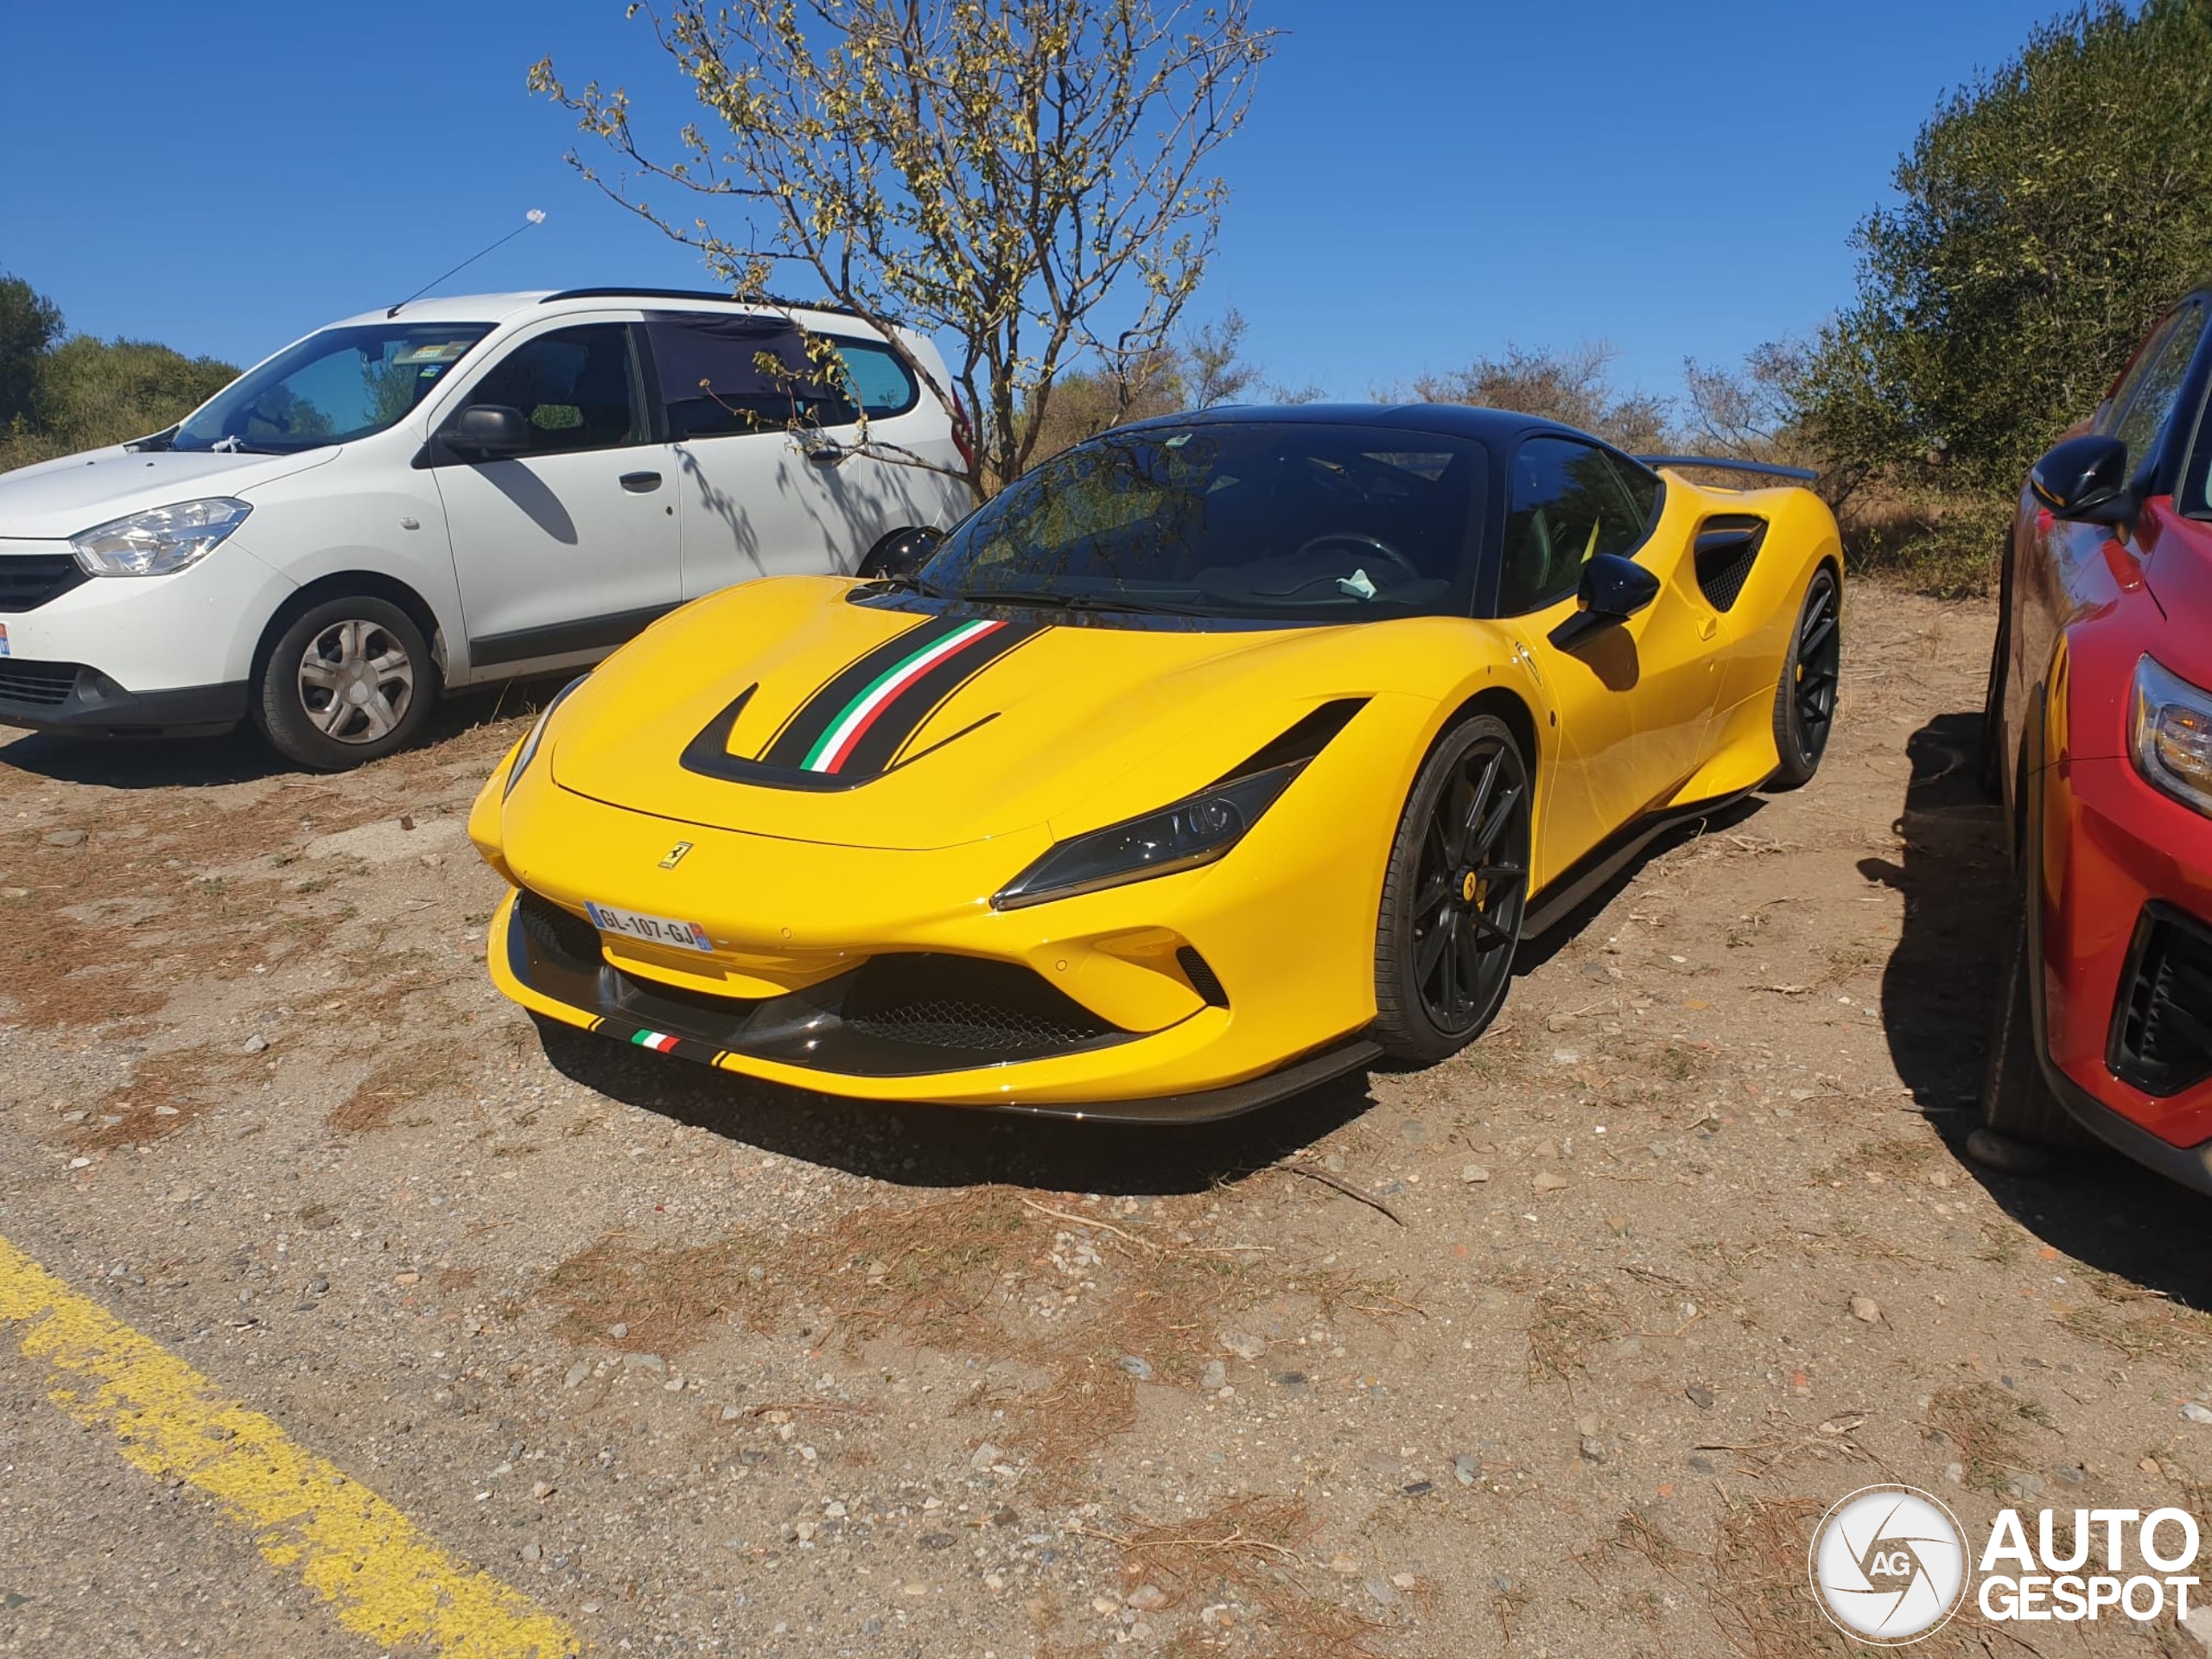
{"type": "Point", "coordinates": [567, 549]}
{"type": "Point", "coordinates": [769, 484]}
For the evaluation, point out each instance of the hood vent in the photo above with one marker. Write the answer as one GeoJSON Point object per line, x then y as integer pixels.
{"type": "Point", "coordinates": [1301, 742]}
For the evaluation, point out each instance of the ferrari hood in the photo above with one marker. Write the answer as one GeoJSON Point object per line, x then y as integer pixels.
{"type": "Point", "coordinates": [781, 708]}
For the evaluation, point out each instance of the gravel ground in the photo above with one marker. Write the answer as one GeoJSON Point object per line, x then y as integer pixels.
{"type": "Point", "coordinates": [1557, 1348]}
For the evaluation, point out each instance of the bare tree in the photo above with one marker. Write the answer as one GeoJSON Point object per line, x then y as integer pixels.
{"type": "Point", "coordinates": [1571, 387]}
{"type": "Point", "coordinates": [1024, 179]}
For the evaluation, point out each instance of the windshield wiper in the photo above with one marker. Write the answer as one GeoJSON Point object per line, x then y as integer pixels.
{"type": "Point", "coordinates": [907, 585]}
{"type": "Point", "coordinates": [1066, 602]}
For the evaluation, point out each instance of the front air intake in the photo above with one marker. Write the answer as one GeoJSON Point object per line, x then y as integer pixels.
{"type": "Point", "coordinates": [1200, 973]}
{"type": "Point", "coordinates": [567, 938]}
{"type": "Point", "coordinates": [985, 1011]}
{"type": "Point", "coordinates": [2161, 1019]}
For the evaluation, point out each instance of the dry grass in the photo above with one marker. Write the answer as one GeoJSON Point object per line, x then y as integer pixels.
{"type": "Point", "coordinates": [411, 1075]}
{"type": "Point", "coordinates": [990, 1272]}
{"type": "Point", "coordinates": [1758, 1592]}
{"type": "Point", "coordinates": [1887, 1158]}
{"type": "Point", "coordinates": [1246, 1553]}
{"type": "Point", "coordinates": [1571, 1319]}
{"type": "Point", "coordinates": [1987, 1426]}
{"type": "Point", "coordinates": [55, 971]}
{"type": "Point", "coordinates": [2158, 1331]}
{"type": "Point", "coordinates": [166, 1092]}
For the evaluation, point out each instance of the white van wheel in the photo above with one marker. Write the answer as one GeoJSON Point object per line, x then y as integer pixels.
{"type": "Point", "coordinates": [349, 681]}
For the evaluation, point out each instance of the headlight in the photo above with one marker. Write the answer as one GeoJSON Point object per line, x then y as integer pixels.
{"type": "Point", "coordinates": [1192, 832]}
{"type": "Point", "coordinates": [157, 542]}
{"type": "Point", "coordinates": [528, 753]}
{"type": "Point", "coordinates": [2170, 725]}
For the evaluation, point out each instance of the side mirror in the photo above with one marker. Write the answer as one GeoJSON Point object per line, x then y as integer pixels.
{"type": "Point", "coordinates": [487, 432]}
{"type": "Point", "coordinates": [1614, 589]}
{"type": "Point", "coordinates": [2084, 480]}
{"type": "Point", "coordinates": [900, 553]}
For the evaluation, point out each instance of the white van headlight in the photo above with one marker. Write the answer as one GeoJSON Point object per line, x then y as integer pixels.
{"type": "Point", "coordinates": [159, 541]}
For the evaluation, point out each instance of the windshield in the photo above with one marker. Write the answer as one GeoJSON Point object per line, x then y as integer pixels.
{"type": "Point", "coordinates": [1277, 520]}
{"type": "Point", "coordinates": [333, 386]}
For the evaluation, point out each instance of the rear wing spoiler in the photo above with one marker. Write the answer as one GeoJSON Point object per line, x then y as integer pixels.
{"type": "Point", "coordinates": [1801, 474]}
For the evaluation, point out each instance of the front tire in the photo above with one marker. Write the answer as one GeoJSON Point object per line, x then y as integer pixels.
{"type": "Point", "coordinates": [1453, 895]}
{"type": "Point", "coordinates": [1804, 699]}
{"type": "Point", "coordinates": [2015, 1099]}
{"type": "Point", "coordinates": [348, 681]}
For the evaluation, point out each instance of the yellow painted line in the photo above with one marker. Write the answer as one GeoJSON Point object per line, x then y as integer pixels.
{"type": "Point", "coordinates": [382, 1574]}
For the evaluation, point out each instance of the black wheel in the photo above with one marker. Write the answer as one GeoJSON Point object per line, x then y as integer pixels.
{"type": "Point", "coordinates": [1453, 896]}
{"type": "Point", "coordinates": [349, 681]}
{"type": "Point", "coordinates": [2015, 1099]}
{"type": "Point", "coordinates": [1804, 701]}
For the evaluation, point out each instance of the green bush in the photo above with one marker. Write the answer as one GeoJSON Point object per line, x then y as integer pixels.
{"type": "Point", "coordinates": [83, 393]}
{"type": "Point", "coordinates": [2052, 211]}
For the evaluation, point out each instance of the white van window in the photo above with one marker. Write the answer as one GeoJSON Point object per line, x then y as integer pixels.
{"type": "Point", "coordinates": [725, 375]}
{"type": "Point", "coordinates": [576, 388]}
{"type": "Point", "coordinates": [331, 387]}
{"type": "Point", "coordinates": [720, 376]}
{"type": "Point", "coordinates": [879, 383]}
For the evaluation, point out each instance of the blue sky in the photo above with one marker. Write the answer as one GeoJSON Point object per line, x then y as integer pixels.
{"type": "Point", "coordinates": [1419, 183]}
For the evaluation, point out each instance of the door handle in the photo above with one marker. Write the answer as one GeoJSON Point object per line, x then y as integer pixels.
{"type": "Point", "coordinates": [1707, 628]}
{"type": "Point", "coordinates": [641, 483]}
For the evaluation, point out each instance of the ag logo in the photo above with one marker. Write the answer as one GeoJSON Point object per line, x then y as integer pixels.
{"type": "Point", "coordinates": [1889, 1565]}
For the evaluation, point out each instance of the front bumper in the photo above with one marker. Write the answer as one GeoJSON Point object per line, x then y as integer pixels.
{"type": "Point", "coordinates": [2117, 861]}
{"type": "Point", "coordinates": [132, 654]}
{"type": "Point", "coordinates": [73, 698]}
{"type": "Point", "coordinates": [834, 1037]}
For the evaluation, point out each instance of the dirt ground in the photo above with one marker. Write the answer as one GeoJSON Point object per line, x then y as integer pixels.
{"type": "Point", "coordinates": [1617, 1303]}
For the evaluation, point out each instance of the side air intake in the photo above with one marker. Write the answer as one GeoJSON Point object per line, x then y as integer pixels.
{"type": "Point", "coordinates": [1727, 546]}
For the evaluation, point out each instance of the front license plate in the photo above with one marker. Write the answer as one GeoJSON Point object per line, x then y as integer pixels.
{"type": "Point", "coordinates": [653, 929]}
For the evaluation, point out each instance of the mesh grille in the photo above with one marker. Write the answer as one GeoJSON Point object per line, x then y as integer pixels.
{"type": "Point", "coordinates": [1204, 980]}
{"type": "Point", "coordinates": [562, 933]}
{"type": "Point", "coordinates": [949, 1023]}
{"type": "Point", "coordinates": [965, 1002]}
{"type": "Point", "coordinates": [27, 581]}
{"type": "Point", "coordinates": [2162, 1040]}
{"type": "Point", "coordinates": [1727, 546]}
{"type": "Point", "coordinates": [46, 684]}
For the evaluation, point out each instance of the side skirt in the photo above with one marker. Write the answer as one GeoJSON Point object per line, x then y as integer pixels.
{"type": "Point", "coordinates": [1560, 896]}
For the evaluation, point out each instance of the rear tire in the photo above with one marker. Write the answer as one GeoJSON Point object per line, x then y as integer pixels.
{"type": "Point", "coordinates": [1804, 698]}
{"type": "Point", "coordinates": [348, 681]}
{"type": "Point", "coordinates": [1453, 895]}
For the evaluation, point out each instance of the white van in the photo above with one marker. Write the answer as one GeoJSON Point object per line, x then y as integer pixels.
{"type": "Point", "coordinates": [454, 491]}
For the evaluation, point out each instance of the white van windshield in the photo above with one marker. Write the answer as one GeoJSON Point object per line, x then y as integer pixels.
{"type": "Point", "coordinates": [333, 386]}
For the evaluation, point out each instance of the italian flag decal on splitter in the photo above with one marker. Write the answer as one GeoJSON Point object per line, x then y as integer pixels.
{"type": "Point", "coordinates": [659, 1041]}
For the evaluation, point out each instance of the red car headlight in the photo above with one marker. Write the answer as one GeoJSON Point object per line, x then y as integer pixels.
{"type": "Point", "coordinates": [2169, 734]}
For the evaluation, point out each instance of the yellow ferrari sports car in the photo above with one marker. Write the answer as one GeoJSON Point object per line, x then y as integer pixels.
{"type": "Point", "coordinates": [1217, 756]}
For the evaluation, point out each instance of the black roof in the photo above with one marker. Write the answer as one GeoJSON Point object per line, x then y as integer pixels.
{"type": "Point", "coordinates": [1451, 420]}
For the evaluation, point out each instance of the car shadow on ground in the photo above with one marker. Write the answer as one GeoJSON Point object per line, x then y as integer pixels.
{"type": "Point", "coordinates": [1535, 953]}
{"type": "Point", "coordinates": [927, 1146]}
{"type": "Point", "coordinates": [239, 756]}
{"type": "Point", "coordinates": [932, 1146]}
{"type": "Point", "coordinates": [1938, 995]}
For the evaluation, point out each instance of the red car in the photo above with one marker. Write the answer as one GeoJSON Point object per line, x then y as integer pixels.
{"type": "Point", "coordinates": [2097, 735]}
